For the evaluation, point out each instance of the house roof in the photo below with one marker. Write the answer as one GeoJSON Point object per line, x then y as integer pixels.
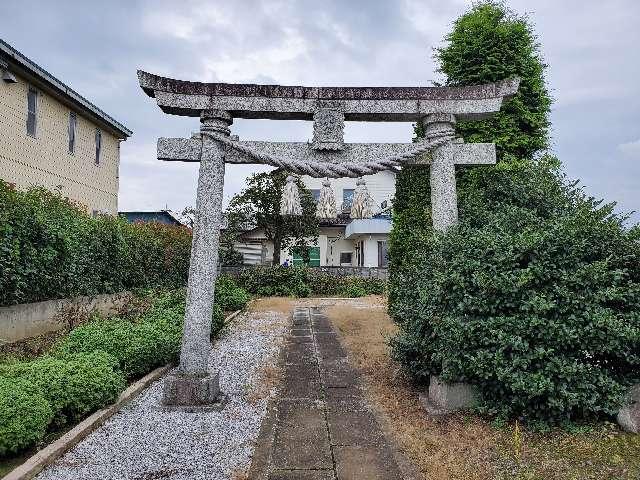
{"type": "Point", "coordinates": [14, 61]}
{"type": "Point", "coordinates": [163, 216]}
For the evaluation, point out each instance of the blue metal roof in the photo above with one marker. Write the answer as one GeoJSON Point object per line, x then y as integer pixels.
{"type": "Point", "coordinates": [161, 216]}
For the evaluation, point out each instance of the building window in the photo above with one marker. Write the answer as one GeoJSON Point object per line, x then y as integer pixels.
{"type": "Point", "coordinates": [347, 197]}
{"type": "Point", "coordinates": [73, 122]}
{"type": "Point", "coordinates": [346, 258]}
{"type": "Point", "coordinates": [316, 194]}
{"type": "Point", "coordinates": [98, 146]}
{"type": "Point", "coordinates": [383, 257]}
{"type": "Point", "coordinates": [32, 111]}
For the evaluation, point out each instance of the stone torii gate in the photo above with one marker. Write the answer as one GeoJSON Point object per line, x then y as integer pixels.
{"type": "Point", "coordinates": [217, 104]}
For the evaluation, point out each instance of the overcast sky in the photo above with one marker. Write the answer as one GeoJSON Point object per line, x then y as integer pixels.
{"type": "Point", "coordinates": [592, 49]}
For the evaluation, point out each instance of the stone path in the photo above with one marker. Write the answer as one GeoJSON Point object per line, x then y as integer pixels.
{"type": "Point", "coordinates": [320, 427]}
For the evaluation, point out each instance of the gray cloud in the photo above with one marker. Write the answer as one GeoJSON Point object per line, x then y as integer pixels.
{"type": "Point", "coordinates": [97, 47]}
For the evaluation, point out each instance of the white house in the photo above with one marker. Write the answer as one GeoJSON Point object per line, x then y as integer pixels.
{"type": "Point", "coordinates": [342, 241]}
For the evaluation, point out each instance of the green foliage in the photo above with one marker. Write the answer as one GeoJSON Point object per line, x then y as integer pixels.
{"type": "Point", "coordinates": [490, 43]}
{"type": "Point", "coordinates": [534, 296]}
{"type": "Point", "coordinates": [302, 281]}
{"type": "Point", "coordinates": [276, 281]}
{"type": "Point", "coordinates": [354, 291]}
{"type": "Point", "coordinates": [50, 248]}
{"type": "Point", "coordinates": [24, 415]}
{"type": "Point", "coordinates": [217, 321]}
{"type": "Point", "coordinates": [89, 367]}
{"type": "Point", "coordinates": [139, 346]}
{"type": "Point", "coordinates": [258, 205]}
{"type": "Point", "coordinates": [229, 296]}
{"type": "Point", "coordinates": [74, 385]}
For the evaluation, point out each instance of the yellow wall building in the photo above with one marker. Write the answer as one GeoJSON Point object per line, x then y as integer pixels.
{"type": "Point", "coordinates": [52, 136]}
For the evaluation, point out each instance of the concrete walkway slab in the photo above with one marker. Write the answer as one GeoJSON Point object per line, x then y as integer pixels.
{"type": "Point", "coordinates": [322, 427]}
{"type": "Point", "coordinates": [301, 440]}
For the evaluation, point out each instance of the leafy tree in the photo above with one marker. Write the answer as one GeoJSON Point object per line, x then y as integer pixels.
{"type": "Point", "coordinates": [487, 44]}
{"type": "Point", "coordinates": [234, 222]}
{"type": "Point", "coordinates": [490, 43]}
{"type": "Point", "coordinates": [534, 296]}
{"type": "Point", "coordinates": [259, 205]}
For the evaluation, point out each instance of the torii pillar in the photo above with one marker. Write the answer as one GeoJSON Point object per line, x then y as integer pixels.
{"type": "Point", "coordinates": [194, 383]}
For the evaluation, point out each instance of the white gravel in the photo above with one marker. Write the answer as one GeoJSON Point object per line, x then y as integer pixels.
{"type": "Point", "coordinates": [143, 442]}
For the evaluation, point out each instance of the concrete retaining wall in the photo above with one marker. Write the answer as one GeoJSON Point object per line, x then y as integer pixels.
{"type": "Point", "coordinates": [365, 272]}
{"type": "Point", "coordinates": [26, 320]}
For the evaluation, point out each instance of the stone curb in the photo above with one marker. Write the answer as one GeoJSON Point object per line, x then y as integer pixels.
{"type": "Point", "coordinates": [232, 316]}
{"type": "Point", "coordinates": [55, 450]}
{"type": "Point", "coordinates": [49, 454]}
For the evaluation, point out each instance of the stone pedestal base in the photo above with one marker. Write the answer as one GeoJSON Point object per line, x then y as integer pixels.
{"type": "Point", "coordinates": [184, 390]}
{"type": "Point", "coordinates": [629, 416]}
{"type": "Point", "coordinates": [445, 398]}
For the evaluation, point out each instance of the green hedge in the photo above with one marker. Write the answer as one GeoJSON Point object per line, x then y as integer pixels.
{"type": "Point", "coordinates": [140, 345]}
{"type": "Point", "coordinates": [74, 385]}
{"type": "Point", "coordinates": [534, 297]}
{"type": "Point", "coordinates": [88, 368]}
{"type": "Point", "coordinates": [24, 415]}
{"type": "Point", "coordinates": [50, 248]}
{"type": "Point", "coordinates": [300, 281]}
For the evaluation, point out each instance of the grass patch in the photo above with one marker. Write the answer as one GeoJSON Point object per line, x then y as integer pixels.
{"type": "Point", "coordinates": [467, 446]}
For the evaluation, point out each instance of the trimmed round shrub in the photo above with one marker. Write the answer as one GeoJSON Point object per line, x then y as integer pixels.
{"type": "Point", "coordinates": [73, 385]}
{"type": "Point", "coordinates": [229, 296]}
{"type": "Point", "coordinates": [135, 354]}
{"type": "Point", "coordinates": [142, 344]}
{"type": "Point", "coordinates": [24, 415]}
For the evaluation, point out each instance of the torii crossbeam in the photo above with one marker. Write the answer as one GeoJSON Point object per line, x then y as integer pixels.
{"type": "Point", "coordinates": [217, 104]}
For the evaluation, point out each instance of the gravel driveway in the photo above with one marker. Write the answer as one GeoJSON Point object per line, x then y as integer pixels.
{"type": "Point", "coordinates": [143, 442]}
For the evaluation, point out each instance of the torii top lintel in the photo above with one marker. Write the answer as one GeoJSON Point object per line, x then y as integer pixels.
{"type": "Point", "coordinates": [400, 104]}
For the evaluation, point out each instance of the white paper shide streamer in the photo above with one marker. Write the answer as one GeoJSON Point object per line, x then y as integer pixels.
{"type": "Point", "coordinates": [290, 202]}
{"type": "Point", "coordinates": [327, 202]}
{"type": "Point", "coordinates": [362, 206]}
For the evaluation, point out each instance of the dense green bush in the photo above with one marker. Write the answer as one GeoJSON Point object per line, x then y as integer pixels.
{"type": "Point", "coordinates": [73, 385]}
{"type": "Point", "coordinates": [301, 281]}
{"type": "Point", "coordinates": [88, 368]}
{"type": "Point", "coordinates": [229, 296]}
{"type": "Point", "coordinates": [50, 248]}
{"type": "Point", "coordinates": [534, 298]}
{"type": "Point", "coordinates": [217, 321]}
{"type": "Point", "coordinates": [139, 345]}
{"type": "Point", "coordinates": [24, 415]}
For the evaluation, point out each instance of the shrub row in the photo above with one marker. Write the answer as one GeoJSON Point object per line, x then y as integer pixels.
{"type": "Point", "coordinates": [300, 281]}
{"type": "Point", "coordinates": [51, 248]}
{"type": "Point", "coordinates": [138, 345]}
{"type": "Point", "coordinates": [90, 366]}
{"type": "Point", "coordinates": [51, 391]}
